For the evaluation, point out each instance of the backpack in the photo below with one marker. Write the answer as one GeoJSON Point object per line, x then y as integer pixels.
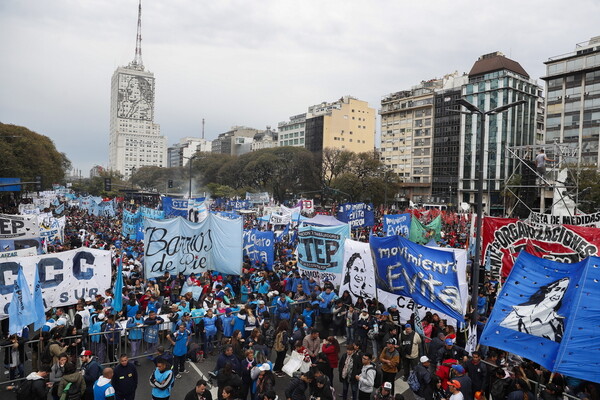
{"type": "Point", "coordinates": [378, 377]}
{"type": "Point", "coordinates": [46, 356]}
{"type": "Point", "coordinates": [279, 346]}
{"type": "Point", "coordinates": [413, 381]}
{"type": "Point", "coordinates": [25, 390]}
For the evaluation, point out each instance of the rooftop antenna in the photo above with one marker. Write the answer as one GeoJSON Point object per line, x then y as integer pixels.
{"type": "Point", "coordinates": [202, 128]}
{"type": "Point", "coordinates": [137, 61]}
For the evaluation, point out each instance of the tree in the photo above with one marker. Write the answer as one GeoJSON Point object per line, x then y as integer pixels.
{"type": "Point", "coordinates": [26, 154]}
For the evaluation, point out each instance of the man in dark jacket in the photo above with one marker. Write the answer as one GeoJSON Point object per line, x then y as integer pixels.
{"type": "Point", "coordinates": [228, 357]}
{"type": "Point", "coordinates": [91, 372]}
{"type": "Point", "coordinates": [349, 366]}
{"type": "Point", "coordinates": [424, 377]}
{"type": "Point", "coordinates": [466, 387]}
{"type": "Point", "coordinates": [125, 379]}
{"type": "Point", "coordinates": [296, 390]}
{"type": "Point", "coordinates": [436, 344]}
{"type": "Point", "coordinates": [34, 386]}
{"type": "Point", "coordinates": [478, 372]}
{"type": "Point", "coordinates": [200, 392]}
{"type": "Point", "coordinates": [451, 351]}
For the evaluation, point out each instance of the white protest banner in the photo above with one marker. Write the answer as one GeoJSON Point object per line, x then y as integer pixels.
{"type": "Point", "coordinates": [577, 220]}
{"type": "Point", "coordinates": [177, 245]}
{"type": "Point", "coordinates": [261, 197]}
{"type": "Point", "coordinates": [64, 277]}
{"type": "Point", "coordinates": [29, 251]}
{"type": "Point", "coordinates": [51, 228]}
{"type": "Point", "coordinates": [28, 209]}
{"type": "Point", "coordinates": [278, 219]}
{"type": "Point", "coordinates": [18, 227]}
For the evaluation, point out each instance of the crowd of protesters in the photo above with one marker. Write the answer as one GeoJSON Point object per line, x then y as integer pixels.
{"type": "Point", "coordinates": [262, 324]}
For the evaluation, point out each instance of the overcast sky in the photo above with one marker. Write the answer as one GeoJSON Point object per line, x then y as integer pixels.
{"type": "Point", "coordinates": [253, 63]}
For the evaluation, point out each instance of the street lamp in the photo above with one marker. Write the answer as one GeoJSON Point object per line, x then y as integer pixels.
{"type": "Point", "coordinates": [472, 109]}
{"type": "Point", "coordinates": [192, 158]}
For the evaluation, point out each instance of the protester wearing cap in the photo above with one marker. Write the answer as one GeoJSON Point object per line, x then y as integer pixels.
{"type": "Point", "coordinates": [394, 314]}
{"type": "Point", "coordinates": [454, 389]}
{"type": "Point", "coordinates": [410, 349]}
{"type": "Point", "coordinates": [451, 352]}
{"type": "Point", "coordinates": [384, 392]}
{"type": "Point", "coordinates": [466, 387]}
{"type": "Point", "coordinates": [424, 376]}
{"type": "Point", "coordinates": [91, 371]}
{"type": "Point", "coordinates": [390, 360]}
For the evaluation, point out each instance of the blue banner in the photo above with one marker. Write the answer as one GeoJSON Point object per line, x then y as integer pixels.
{"type": "Point", "coordinates": [426, 275]}
{"type": "Point", "coordinates": [230, 215]}
{"type": "Point", "coordinates": [131, 222]}
{"type": "Point", "coordinates": [259, 246]}
{"type": "Point", "coordinates": [549, 312]}
{"type": "Point", "coordinates": [357, 215]}
{"type": "Point", "coordinates": [152, 213]}
{"type": "Point", "coordinates": [238, 204]}
{"type": "Point", "coordinates": [177, 245]}
{"type": "Point", "coordinates": [398, 224]}
{"type": "Point", "coordinates": [321, 248]}
{"type": "Point", "coordinates": [177, 207]}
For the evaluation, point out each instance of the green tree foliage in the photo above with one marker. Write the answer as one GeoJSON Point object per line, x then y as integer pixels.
{"type": "Point", "coordinates": [589, 199]}
{"type": "Point", "coordinates": [26, 154]}
{"type": "Point", "coordinates": [95, 185]}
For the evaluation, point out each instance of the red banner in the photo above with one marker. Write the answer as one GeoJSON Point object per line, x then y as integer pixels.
{"type": "Point", "coordinates": [504, 238]}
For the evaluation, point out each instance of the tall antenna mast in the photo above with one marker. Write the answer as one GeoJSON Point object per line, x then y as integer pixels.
{"type": "Point", "coordinates": [202, 128]}
{"type": "Point", "coordinates": [137, 61]}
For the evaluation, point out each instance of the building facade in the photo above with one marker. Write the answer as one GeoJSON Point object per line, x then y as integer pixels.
{"type": "Point", "coordinates": [573, 102]}
{"type": "Point", "coordinates": [407, 138]}
{"type": "Point", "coordinates": [134, 139]}
{"type": "Point", "coordinates": [291, 133]}
{"type": "Point", "coordinates": [179, 153]}
{"type": "Point", "coordinates": [265, 139]}
{"type": "Point", "coordinates": [236, 141]}
{"type": "Point", "coordinates": [346, 124]}
{"type": "Point", "coordinates": [495, 80]}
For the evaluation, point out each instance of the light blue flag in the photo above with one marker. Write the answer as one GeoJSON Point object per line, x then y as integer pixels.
{"type": "Point", "coordinates": [118, 291]}
{"type": "Point", "coordinates": [38, 301]}
{"type": "Point", "coordinates": [20, 310]}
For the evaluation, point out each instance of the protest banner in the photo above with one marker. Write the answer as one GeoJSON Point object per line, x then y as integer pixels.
{"type": "Point", "coordinates": [238, 205]}
{"type": "Point", "coordinates": [28, 209]}
{"type": "Point", "coordinates": [428, 276]}
{"type": "Point", "coordinates": [19, 232]}
{"type": "Point", "coordinates": [197, 211]}
{"type": "Point", "coordinates": [307, 206]}
{"type": "Point", "coordinates": [177, 245]}
{"type": "Point", "coordinates": [64, 277]}
{"type": "Point", "coordinates": [279, 219]}
{"type": "Point", "coordinates": [577, 220]}
{"type": "Point", "coordinates": [130, 224]}
{"type": "Point", "coordinates": [261, 197]}
{"type": "Point", "coordinates": [321, 251]}
{"type": "Point", "coordinates": [357, 215]}
{"type": "Point", "coordinates": [259, 246]}
{"type": "Point", "coordinates": [177, 207]}
{"type": "Point", "coordinates": [504, 238]}
{"type": "Point", "coordinates": [29, 251]}
{"type": "Point", "coordinates": [51, 229]}
{"type": "Point", "coordinates": [549, 312]}
{"type": "Point", "coordinates": [396, 224]}
{"type": "Point", "coordinates": [359, 280]}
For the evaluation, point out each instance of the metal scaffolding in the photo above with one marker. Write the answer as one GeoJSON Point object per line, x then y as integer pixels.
{"type": "Point", "coordinates": [525, 157]}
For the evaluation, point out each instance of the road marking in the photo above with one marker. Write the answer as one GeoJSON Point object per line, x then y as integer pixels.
{"type": "Point", "coordinates": [214, 390]}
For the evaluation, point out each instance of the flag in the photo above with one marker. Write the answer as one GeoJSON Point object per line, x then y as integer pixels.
{"type": "Point", "coordinates": [20, 310]}
{"type": "Point", "coordinates": [118, 291]}
{"type": "Point", "coordinates": [471, 345]}
{"type": "Point", "coordinates": [38, 302]}
{"type": "Point", "coordinates": [284, 233]}
{"type": "Point", "coordinates": [293, 238]}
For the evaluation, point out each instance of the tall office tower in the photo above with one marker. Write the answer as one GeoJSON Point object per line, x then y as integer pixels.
{"type": "Point", "coordinates": [573, 103]}
{"type": "Point", "coordinates": [135, 139]}
{"type": "Point", "coordinates": [495, 80]}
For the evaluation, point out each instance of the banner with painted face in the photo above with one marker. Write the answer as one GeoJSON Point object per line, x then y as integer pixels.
{"type": "Point", "coordinates": [504, 238]}
{"type": "Point", "coordinates": [396, 224]}
{"type": "Point", "coordinates": [357, 215]}
{"type": "Point", "coordinates": [259, 246]}
{"type": "Point", "coordinates": [177, 245]}
{"type": "Point", "coordinates": [177, 207]}
{"type": "Point", "coordinates": [426, 275]}
{"type": "Point", "coordinates": [548, 312]}
{"type": "Point", "coordinates": [321, 251]}
{"type": "Point", "coordinates": [19, 232]}
{"type": "Point", "coordinates": [65, 277]}
{"type": "Point", "coordinates": [359, 280]}
{"type": "Point", "coordinates": [51, 229]}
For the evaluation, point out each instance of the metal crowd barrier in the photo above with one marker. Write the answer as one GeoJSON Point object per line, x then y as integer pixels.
{"type": "Point", "coordinates": [33, 351]}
